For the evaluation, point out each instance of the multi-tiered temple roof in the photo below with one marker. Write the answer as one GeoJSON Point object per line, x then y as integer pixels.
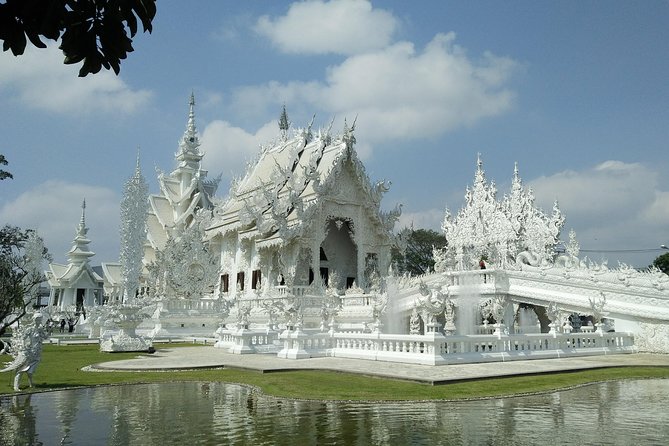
{"type": "Point", "coordinates": [185, 190]}
{"type": "Point", "coordinates": [277, 198]}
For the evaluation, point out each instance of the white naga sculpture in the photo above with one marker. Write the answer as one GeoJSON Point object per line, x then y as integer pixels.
{"type": "Point", "coordinates": [26, 348]}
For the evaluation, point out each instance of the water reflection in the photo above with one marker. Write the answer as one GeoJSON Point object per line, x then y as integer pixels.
{"type": "Point", "coordinates": [215, 413]}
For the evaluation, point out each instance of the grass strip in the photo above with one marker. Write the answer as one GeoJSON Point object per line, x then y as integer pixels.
{"type": "Point", "coordinates": [61, 366]}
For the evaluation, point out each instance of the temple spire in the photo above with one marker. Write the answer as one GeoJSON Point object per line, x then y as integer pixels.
{"type": "Point", "coordinates": [138, 169]}
{"type": "Point", "coordinates": [82, 229]}
{"type": "Point", "coordinates": [516, 182]}
{"type": "Point", "coordinates": [80, 252]}
{"type": "Point", "coordinates": [479, 176]}
{"type": "Point", "coordinates": [190, 142]}
{"type": "Point", "coordinates": [284, 123]}
{"type": "Point", "coordinates": [191, 114]}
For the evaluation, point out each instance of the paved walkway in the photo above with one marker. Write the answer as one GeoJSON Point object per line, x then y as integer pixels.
{"type": "Point", "coordinates": [210, 357]}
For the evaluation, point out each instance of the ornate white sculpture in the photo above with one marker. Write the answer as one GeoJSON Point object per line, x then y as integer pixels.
{"type": "Point", "coordinates": [122, 321]}
{"type": "Point", "coordinates": [379, 306]}
{"type": "Point", "coordinates": [133, 231]}
{"type": "Point", "coordinates": [26, 348]}
{"type": "Point", "coordinates": [414, 322]}
{"type": "Point", "coordinates": [513, 229]}
{"type": "Point", "coordinates": [185, 268]}
{"type": "Point", "coordinates": [597, 306]}
{"type": "Point", "coordinates": [331, 306]}
{"type": "Point", "coordinates": [431, 304]}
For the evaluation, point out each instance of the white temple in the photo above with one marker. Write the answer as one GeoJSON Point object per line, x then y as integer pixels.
{"type": "Point", "coordinates": [296, 262]}
{"type": "Point", "coordinates": [305, 216]}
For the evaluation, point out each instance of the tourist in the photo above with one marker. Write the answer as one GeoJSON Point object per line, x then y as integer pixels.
{"type": "Point", "coordinates": [482, 266]}
{"type": "Point", "coordinates": [62, 325]}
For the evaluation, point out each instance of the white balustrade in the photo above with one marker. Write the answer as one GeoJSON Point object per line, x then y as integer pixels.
{"type": "Point", "coordinates": [473, 277]}
{"type": "Point", "coordinates": [244, 340]}
{"type": "Point", "coordinates": [437, 349]}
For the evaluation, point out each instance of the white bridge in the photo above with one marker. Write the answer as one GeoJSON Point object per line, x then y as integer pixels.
{"type": "Point", "coordinates": [634, 304]}
{"type": "Point", "coordinates": [632, 301]}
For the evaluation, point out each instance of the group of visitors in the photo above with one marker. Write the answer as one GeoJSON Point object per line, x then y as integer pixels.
{"type": "Point", "coordinates": [70, 325]}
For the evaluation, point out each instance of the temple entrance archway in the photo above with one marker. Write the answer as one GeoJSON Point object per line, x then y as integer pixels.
{"type": "Point", "coordinates": [540, 312]}
{"type": "Point", "coordinates": [339, 253]}
{"type": "Point", "coordinates": [80, 298]}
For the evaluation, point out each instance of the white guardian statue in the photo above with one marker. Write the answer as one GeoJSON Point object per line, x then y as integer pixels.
{"type": "Point", "coordinates": [26, 348]}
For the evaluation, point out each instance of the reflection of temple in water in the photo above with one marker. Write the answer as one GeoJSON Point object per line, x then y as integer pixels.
{"type": "Point", "coordinates": [219, 413]}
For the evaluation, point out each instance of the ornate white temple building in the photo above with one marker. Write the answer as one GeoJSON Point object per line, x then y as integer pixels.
{"type": "Point", "coordinates": [296, 261]}
{"type": "Point", "coordinates": [306, 212]}
{"type": "Point", "coordinates": [304, 217]}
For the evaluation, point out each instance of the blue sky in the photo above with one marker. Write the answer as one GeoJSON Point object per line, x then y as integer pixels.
{"type": "Point", "coordinates": [575, 91]}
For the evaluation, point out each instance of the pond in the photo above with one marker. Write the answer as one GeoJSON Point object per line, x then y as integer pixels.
{"type": "Point", "coordinates": [616, 413]}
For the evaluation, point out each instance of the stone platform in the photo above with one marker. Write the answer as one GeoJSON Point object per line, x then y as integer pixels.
{"type": "Point", "coordinates": [179, 358]}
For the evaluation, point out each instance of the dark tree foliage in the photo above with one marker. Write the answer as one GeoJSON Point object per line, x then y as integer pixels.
{"type": "Point", "coordinates": [96, 32]}
{"type": "Point", "coordinates": [20, 277]}
{"type": "Point", "coordinates": [3, 173]}
{"type": "Point", "coordinates": [417, 259]}
{"type": "Point", "coordinates": [662, 262]}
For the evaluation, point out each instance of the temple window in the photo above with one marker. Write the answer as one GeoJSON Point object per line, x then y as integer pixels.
{"type": "Point", "coordinates": [255, 279]}
{"type": "Point", "coordinates": [225, 283]}
{"type": "Point", "coordinates": [240, 280]}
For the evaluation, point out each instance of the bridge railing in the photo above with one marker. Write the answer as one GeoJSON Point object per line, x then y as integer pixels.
{"type": "Point", "coordinates": [471, 277]}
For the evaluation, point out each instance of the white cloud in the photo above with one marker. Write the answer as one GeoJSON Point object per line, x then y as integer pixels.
{"type": "Point", "coordinates": [337, 26]}
{"type": "Point", "coordinates": [228, 148]}
{"type": "Point", "coordinates": [40, 80]}
{"type": "Point", "coordinates": [398, 92]}
{"type": "Point", "coordinates": [607, 191]}
{"type": "Point", "coordinates": [53, 208]}
{"type": "Point", "coordinates": [658, 211]}
{"type": "Point", "coordinates": [611, 206]}
{"type": "Point", "coordinates": [428, 219]}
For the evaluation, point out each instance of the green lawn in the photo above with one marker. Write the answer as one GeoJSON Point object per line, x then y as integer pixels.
{"type": "Point", "coordinates": [61, 368]}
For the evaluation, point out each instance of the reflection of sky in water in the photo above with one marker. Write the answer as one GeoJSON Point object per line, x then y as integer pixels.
{"type": "Point", "coordinates": [625, 412]}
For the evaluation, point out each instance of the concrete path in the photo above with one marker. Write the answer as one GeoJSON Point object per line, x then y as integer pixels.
{"type": "Point", "coordinates": [209, 357]}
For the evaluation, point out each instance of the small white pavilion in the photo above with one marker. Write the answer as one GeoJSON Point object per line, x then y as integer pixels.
{"type": "Point", "coordinates": [76, 284]}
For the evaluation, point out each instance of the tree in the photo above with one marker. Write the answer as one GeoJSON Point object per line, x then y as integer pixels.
{"type": "Point", "coordinates": [96, 32]}
{"type": "Point", "coordinates": [417, 257]}
{"type": "Point", "coordinates": [662, 262]}
{"type": "Point", "coordinates": [3, 173]}
{"type": "Point", "coordinates": [21, 255]}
